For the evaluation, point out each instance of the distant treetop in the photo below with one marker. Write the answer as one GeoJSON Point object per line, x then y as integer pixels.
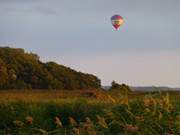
{"type": "Point", "coordinates": [122, 87]}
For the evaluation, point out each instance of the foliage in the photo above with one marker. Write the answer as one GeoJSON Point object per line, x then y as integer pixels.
{"type": "Point", "coordinates": [120, 87]}
{"type": "Point", "coordinates": [21, 70]}
{"type": "Point", "coordinates": [152, 114]}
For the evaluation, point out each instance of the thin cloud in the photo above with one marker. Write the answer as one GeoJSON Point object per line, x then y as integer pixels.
{"type": "Point", "coordinates": [20, 1]}
{"type": "Point", "coordinates": [37, 9]}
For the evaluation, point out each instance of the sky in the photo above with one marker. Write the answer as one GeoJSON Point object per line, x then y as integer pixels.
{"type": "Point", "coordinates": [145, 51]}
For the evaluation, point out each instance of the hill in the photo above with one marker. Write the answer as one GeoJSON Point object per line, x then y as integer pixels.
{"type": "Point", "coordinates": [147, 88]}
{"type": "Point", "coordinates": [154, 88]}
{"type": "Point", "coordinates": [22, 70]}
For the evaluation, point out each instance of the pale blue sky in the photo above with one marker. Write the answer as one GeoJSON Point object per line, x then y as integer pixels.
{"type": "Point", "coordinates": [78, 34]}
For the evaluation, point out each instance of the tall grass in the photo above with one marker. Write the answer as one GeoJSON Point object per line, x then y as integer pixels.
{"type": "Point", "coordinates": [95, 114]}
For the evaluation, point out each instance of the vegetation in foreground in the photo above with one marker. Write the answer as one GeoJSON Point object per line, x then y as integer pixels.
{"type": "Point", "coordinates": [94, 112]}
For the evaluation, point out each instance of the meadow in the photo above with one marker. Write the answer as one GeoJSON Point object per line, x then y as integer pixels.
{"type": "Point", "coordinates": [89, 112]}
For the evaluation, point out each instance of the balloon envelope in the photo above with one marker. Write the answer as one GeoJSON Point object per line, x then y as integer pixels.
{"type": "Point", "coordinates": [117, 21]}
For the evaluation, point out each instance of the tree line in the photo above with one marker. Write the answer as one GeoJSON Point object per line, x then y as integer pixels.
{"type": "Point", "coordinates": [22, 70]}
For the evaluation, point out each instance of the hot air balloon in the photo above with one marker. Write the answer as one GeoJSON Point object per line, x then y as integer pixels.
{"type": "Point", "coordinates": [117, 21]}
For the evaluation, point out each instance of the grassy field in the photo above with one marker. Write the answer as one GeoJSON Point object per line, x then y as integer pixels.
{"type": "Point", "coordinates": [89, 112]}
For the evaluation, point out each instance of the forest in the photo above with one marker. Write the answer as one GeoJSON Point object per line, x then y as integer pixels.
{"type": "Point", "coordinates": [22, 70]}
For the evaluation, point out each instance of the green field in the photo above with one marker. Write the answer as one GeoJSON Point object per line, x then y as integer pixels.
{"type": "Point", "coordinates": [89, 112]}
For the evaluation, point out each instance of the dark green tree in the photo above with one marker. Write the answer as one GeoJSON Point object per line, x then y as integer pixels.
{"type": "Point", "coordinates": [22, 70]}
{"type": "Point", "coordinates": [121, 87]}
{"type": "Point", "coordinates": [3, 74]}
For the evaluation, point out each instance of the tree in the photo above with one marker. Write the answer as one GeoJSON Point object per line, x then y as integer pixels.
{"type": "Point", "coordinates": [122, 87]}
{"type": "Point", "coordinates": [3, 74]}
{"type": "Point", "coordinates": [21, 70]}
{"type": "Point", "coordinates": [115, 85]}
